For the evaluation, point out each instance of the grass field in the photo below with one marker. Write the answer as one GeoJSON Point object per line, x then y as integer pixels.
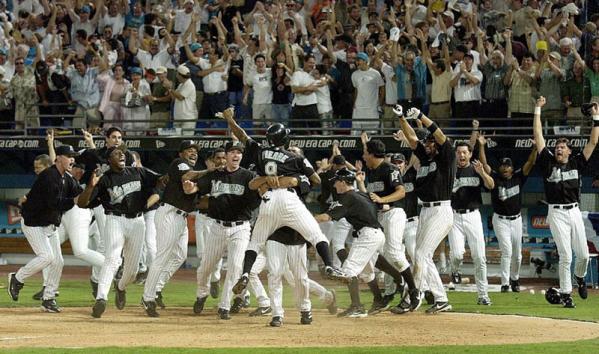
{"type": "Point", "coordinates": [76, 293]}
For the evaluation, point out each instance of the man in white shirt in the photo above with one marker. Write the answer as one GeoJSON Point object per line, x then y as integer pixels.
{"type": "Point", "coordinates": [466, 91]}
{"type": "Point", "coordinates": [185, 101]}
{"type": "Point", "coordinates": [154, 58]}
{"type": "Point", "coordinates": [215, 75]}
{"type": "Point", "coordinates": [389, 118]}
{"type": "Point", "coordinates": [369, 95]}
{"type": "Point", "coordinates": [261, 82]}
{"type": "Point", "coordinates": [304, 87]}
{"type": "Point", "coordinates": [183, 17]}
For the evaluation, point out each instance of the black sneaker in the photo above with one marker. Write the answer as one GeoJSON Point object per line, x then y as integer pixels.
{"type": "Point", "coordinates": [150, 307]}
{"type": "Point", "coordinates": [39, 295]}
{"type": "Point", "coordinates": [306, 318]}
{"type": "Point", "coordinates": [357, 312]}
{"type": "Point", "coordinates": [94, 288]}
{"type": "Point", "coordinates": [237, 305]}
{"type": "Point", "coordinates": [505, 288]}
{"type": "Point", "coordinates": [214, 289]}
{"type": "Point", "coordinates": [335, 273]}
{"type": "Point", "coordinates": [456, 278]}
{"type": "Point", "coordinates": [415, 299]}
{"type": "Point", "coordinates": [119, 272]}
{"type": "Point", "coordinates": [99, 308]}
{"type": "Point", "coordinates": [567, 301]}
{"type": "Point", "coordinates": [439, 307]}
{"type": "Point", "coordinates": [198, 306]}
{"type": "Point", "coordinates": [429, 297]}
{"type": "Point", "coordinates": [276, 321]}
{"type": "Point", "coordinates": [332, 307]}
{"type": "Point", "coordinates": [120, 296]}
{"type": "Point", "coordinates": [14, 286]}
{"type": "Point", "coordinates": [345, 312]}
{"type": "Point", "coordinates": [159, 301]}
{"type": "Point", "coordinates": [515, 285]}
{"type": "Point", "coordinates": [50, 306]}
{"type": "Point", "coordinates": [224, 314]}
{"type": "Point", "coordinates": [261, 311]}
{"type": "Point", "coordinates": [378, 306]}
{"type": "Point", "coordinates": [582, 288]}
{"type": "Point", "coordinates": [402, 307]}
{"type": "Point", "coordinates": [141, 277]}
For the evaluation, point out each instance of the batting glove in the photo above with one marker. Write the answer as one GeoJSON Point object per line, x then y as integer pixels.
{"type": "Point", "coordinates": [398, 110]}
{"type": "Point", "coordinates": [413, 113]}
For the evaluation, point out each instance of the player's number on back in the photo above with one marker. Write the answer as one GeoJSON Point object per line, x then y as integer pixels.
{"type": "Point", "coordinates": [270, 168]}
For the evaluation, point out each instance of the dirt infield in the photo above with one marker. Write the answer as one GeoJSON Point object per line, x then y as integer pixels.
{"type": "Point", "coordinates": [178, 327]}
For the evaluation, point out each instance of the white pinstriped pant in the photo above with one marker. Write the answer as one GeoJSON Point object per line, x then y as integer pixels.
{"type": "Point", "coordinates": [280, 258]}
{"type": "Point", "coordinates": [234, 240]}
{"type": "Point", "coordinates": [171, 249]}
{"type": "Point", "coordinates": [279, 208]}
{"type": "Point", "coordinates": [509, 236]}
{"type": "Point", "coordinates": [434, 224]}
{"type": "Point", "coordinates": [202, 227]}
{"type": "Point", "coordinates": [567, 228]}
{"type": "Point", "coordinates": [409, 238]}
{"type": "Point", "coordinates": [364, 250]}
{"type": "Point", "coordinates": [124, 235]}
{"type": "Point", "coordinates": [336, 232]}
{"type": "Point", "coordinates": [469, 227]}
{"type": "Point", "coordinates": [394, 222]}
{"type": "Point", "coordinates": [46, 246]}
{"type": "Point", "coordinates": [100, 224]}
{"type": "Point", "coordinates": [149, 248]}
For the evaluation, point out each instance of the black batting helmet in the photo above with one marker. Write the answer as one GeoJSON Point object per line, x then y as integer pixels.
{"type": "Point", "coordinates": [422, 134]}
{"type": "Point", "coordinates": [344, 175]}
{"type": "Point", "coordinates": [553, 297]}
{"type": "Point", "coordinates": [277, 134]}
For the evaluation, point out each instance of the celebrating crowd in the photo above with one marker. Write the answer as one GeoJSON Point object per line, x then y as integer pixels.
{"type": "Point", "coordinates": [311, 64]}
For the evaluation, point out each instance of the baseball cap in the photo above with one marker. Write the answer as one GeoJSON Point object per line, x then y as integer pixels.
{"type": "Point", "coordinates": [449, 13]}
{"type": "Point", "coordinates": [195, 46]}
{"type": "Point", "coordinates": [541, 45]}
{"type": "Point", "coordinates": [345, 175]}
{"type": "Point", "coordinates": [338, 160]}
{"type": "Point", "coordinates": [79, 165]}
{"type": "Point", "coordinates": [555, 55]}
{"type": "Point", "coordinates": [66, 150]}
{"type": "Point", "coordinates": [230, 145]}
{"type": "Point", "coordinates": [161, 70]}
{"type": "Point", "coordinates": [186, 144]}
{"type": "Point", "coordinates": [136, 70]}
{"type": "Point", "coordinates": [506, 161]}
{"type": "Point", "coordinates": [398, 157]}
{"type": "Point", "coordinates": [362, 56]}
{"type": "Point", "coordinates": [86, 9]}
{"type": "Point", "coordinates": [3, 51]}
{"type": "Point", "coordinates": [183, 70]}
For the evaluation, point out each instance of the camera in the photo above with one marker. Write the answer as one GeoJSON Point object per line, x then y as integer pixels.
{"type": "Point", "coordinates": [586, 108]}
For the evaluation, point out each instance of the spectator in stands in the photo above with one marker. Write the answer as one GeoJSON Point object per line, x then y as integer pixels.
{"type": "Point", "coordinates": [521, 88]}
{"type": "Point", "coordinates": [281, 86]}
{"type": "Point", "coordinates": [466, 90]}
{"type": "Point", "coordinates": [184, 97]}
{"type": "Point", "coordinates": [304, 87]}
{"type": "Point", "coordinates": [440, 69]}
{"type": "Point", "coordinates": [6, 109]}
{"type": "Point", "coordinates": [6, 64]}
{"type": "Point", "coordinates": [161, 100]}
{"type": "Point", "coordinates": [135, 18]}
{"type": "Point", "coordinates": [154, 57]}
{"type": "Point", "coordinates": [82, 23]}
{"type": "Point", "coordinates": [235, 81]}
{"type": "Point", "coordinates": [323, 98]}
{"type": "Point", "coordinates": [370, 95]}
{"type": "Point", "coordinates": [136, 109]}
{"type": "Point", "coordinates": [195, 56]}
{"type": "Point", "coordinates": [591, 74]}
{"type": "Point", "coordinates": [567, 50]}
{"type": "Point", "coordinates": [574, 93]}
{"type": "Point", "coordinates": [112, 17]}
{"type": "Point", "coordinates": [215, 82]}
{"type": "Point", "coordinates": [550, 74]}
{"type": "Point", "coordinates": [261, 84]}
{"type": "Point", "coordinates": [410, 72]}
{"type": "Point", "coordinates": [23, 89]}
{"type": "Point", "coordinates": [84, 91]}
{"type": "Point", "coordinates": [113, 95]}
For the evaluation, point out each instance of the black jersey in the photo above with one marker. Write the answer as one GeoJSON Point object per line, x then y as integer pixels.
{"type": "Point", "coordinates": [466, 189]}
{"type": "Point", "coordinates": [94, 158]}
{"type": "Point", "coordinates": [506, 196]}
{"type": "Point", "coordinates": [274, 161]}
{"type": "Point", "coordinates": [50, 196]}
{"type": "Point", "coordinates": [359, 210]}
{"type": "Point", "coordinates": [410, 200]}
{"type": "Point", "coordinates": [383, 181]}
{"type": "Point", "coordinates": [562, 181]}
{"type": "Point", "coordinates": [328, 194]}
{"type": "Point", "coordinates": [173, 192]}
{"type": "Point", "coordinates": [124, 192]}
{"type": "Point", "coordinates": [434, 180]}
{"type": "Point", "coordinates": [230, 196]}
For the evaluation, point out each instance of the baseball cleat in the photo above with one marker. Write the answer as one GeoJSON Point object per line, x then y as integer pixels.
{"type": "Point", "coordinates": [332, 307]}
{"type": "Point", "coordinates": [306, 317]}
{"type": "Point", "coordinates": [214, 289]}
{"type": "Point", "coordinates": [141, 277]}
{"type": "Point", "coordinates": [336, 274]}
{"type": "Point", "coordinates": [159, 301]}
{"type": "Point", "coordinates": [402, 307]}
{"type": "Point", "coordinates": [120, 296]}
{"type": "Point", "coordinates": [439, 307]}
{"type": "Point", "coordinates": [150, 307]}
{"type": "Point", "coordinates": [357, 312]}
{"type": "Point", "coordinates": [224, 314]}
{"type": "Point", "coordinates": [50, 306]}
{"type": "Point", "coordinates": [582, 288]}
{"type": "Point", "coordinates": [378, 306]}
{"type": "Point", "coordinates": [505, 288]}
{"type": "Point", "coordinates": [198, 306]}
{"type": "Point", "coordinates": [261, 311]}
{"type": "Point", "coordinates": [515, 286]}
{"type": "Point", "coordinates": [14, 286]}
{"type": "Point", "coordinates": [429, 297]}
{"type": "Point", "coordinates": [241, 284]}
{"type": "Point", "coordinates": [484, 300]}
{"type": "Point", "coordinates": [39, 295]}
{"type": "Point", "coordinates": [567, 301]}
{"type": "Point", "coordinates": [277, 321]}
{"type": "Point", "coordinates": [246, 301]}
{"type": "Point", "coordinates": [94, 288]}
{"type": "Point", "coordinates": [99, 308]}
{"type": "Point", "coordinates": [237, 305]}
{"type": "Point", "coordinates": [415, 299]}
{"type": "Point", "coordinates": [456, 278]}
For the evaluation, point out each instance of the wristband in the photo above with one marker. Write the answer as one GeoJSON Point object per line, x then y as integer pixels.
{"type": "Point", "coordinates": [596, 118]}
{"type": "Point", "coordinates": [538, 110]}
{"type": "Point", "coordinates": [432, 128]}
{"type": "Point", "coordinates": [420, 116]}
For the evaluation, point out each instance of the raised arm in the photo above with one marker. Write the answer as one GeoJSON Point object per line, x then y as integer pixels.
{"type": "Point", "coordinates": [590, 146]}
{"type": "Point", "coordinates": [537, 126]}
{"type": "Point", "coordinates": [406, 128]}
{"type": "Point", "coordinates": [228, 115]}
{"type": "Point", "coordinates": [487, 179]}
{"type": "Point", "coordinates": [482, 154]}
{"type": "Point", "coordinates": [530, 163]}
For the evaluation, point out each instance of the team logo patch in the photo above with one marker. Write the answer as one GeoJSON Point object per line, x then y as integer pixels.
{"type": "Point", "coordinates": [183, 167]}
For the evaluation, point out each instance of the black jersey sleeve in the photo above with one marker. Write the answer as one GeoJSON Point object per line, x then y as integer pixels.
{"type": "Point", "coordinates": [446, 152]}
{"type": "Point", "coordinates": [544, 160]}
{"type": "Point", "coordinates": [252, 149]}
{"type": "Point", "coordinates": [99, 193]}
{"type": "Point", "coordinates": [420, 152]}
{"type": "Point", "coordinates": [581, 161]}
{"type": "Point", "coordinates": [205, 184]}
{"type": "Point", "coordinates": [395, 179]}
{"type": "Point", "coordinates": [338, 211]}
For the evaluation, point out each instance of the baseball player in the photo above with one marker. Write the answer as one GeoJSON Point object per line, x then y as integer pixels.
{"type": "Point", "coordinates": [506, 199]}
{"type": "Point", "coordinates": [362, 213]}
{"type": "Point", "coordinates": [230, 208]}
{"type": "Point", "coordinates": [562, 173]}
{"type": "Point", "coordinates": [466, 199]}
{"type": "Point", "coordinates": [171, 224]}
{"type": "Point", "coordinates": [122, 191]}
{"type": "Point", "coordinates": [385, 187]}
{"type": "Point", "coordinates": [52, 193]}
{"type": "Point", "coordinates": [280, 206]}
{"type": "Point", "coordinates": [433, 185]}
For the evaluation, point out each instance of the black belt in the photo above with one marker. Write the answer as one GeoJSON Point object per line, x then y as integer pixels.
{"type": "Point", "coordinates": [505, 217]}
{"type": "Point", "coordinates": [434, 103]}
{"type": "Point", "coordinates": [230, 223]}
{"type": "Point", "coordinates": [178, 211]}
{"type": "Point", "coordinates": [494, 100]}
{"type": "Point", "coordinates": [127, 215]}
{"type": "Point", "coordinates": [431, 204]}
{"type": "Point", "coordinates": [413, 218]}
{"type": "Point", "coordinates": [214, 93]}
{"type": "Point", "coordinates": [464, 211]}
{"type": "Point", "coordinates": [287, 189]}
{"type": "Point", "coordinates": [565, 206]}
